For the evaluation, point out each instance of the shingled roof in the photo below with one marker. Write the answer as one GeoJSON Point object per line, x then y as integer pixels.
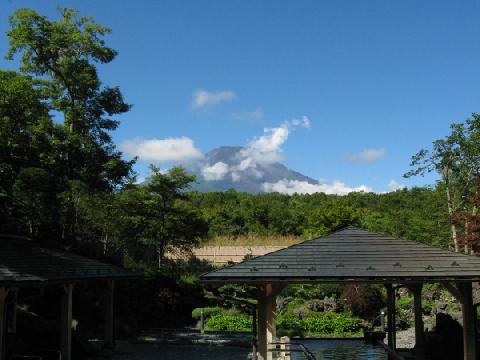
{"type": "Point", "coordinates": [353, 254]}
{"type": "Point", "coordinates": [23, 262]}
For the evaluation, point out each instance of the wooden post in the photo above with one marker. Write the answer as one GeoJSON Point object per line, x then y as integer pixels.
{"type": "Point", "coordinates": [271, 307]}
{"type": "Point", "coordinates": [468, 315]}
{"type": "Point", "coordinates": [419, 328]}
{"type": "Point", "coordinates": [3, 295]}
{"type": "Point", "coordinates": [262, 324]}
{"type": "Point", "coordinates": [109, 315]}
{"type": "Point", "coordinates": [254, 334]}
{"type": "Point", "coordinates": [266, 321]}
{"type": "Point", "coordinates": [391, 334]}
{"type": "Point", "coordinates": [66, 323]}
{"type": "Point", "coordinates": [12, 326]}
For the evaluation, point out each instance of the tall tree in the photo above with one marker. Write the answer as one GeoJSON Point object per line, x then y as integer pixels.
{"type": "Point", "coordinates": [65, 54]}
{"type": "Point", "coordinates": [457, 159]}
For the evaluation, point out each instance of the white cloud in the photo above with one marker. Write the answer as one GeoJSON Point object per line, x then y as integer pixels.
{"type": "Point", "coordinates": [215, 172]}
{"type": "Point", "coordinates": [366, 156]}
{"type": "Point", "coordinates": [266, 149]}
{"type": "Point", "coordinates": [162, 150]}
{"type": "Point", "coordinates": [303, 122]}
{"type": "Point", "coordinates": [257, 114]}
{"type": "Point", "coordinates": [303, 187]}
{"type": "Point", "coordinates": [393, 185]}
{"type": "Point", "coordinates": [203, 98]}
{"type": "Point", "coordinates": [263, 150]}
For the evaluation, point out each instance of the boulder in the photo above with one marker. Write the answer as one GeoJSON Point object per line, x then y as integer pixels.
{"type": "Point", "coordinates": [445, 341]}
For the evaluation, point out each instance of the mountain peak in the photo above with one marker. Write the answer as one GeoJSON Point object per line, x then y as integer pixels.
{"type": "Point", "coordinates": [227, 167]}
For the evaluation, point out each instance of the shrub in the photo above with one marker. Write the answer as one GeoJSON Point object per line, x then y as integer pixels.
{"type": "Point", "coordinates": [229, 322]}
{"type": "Point", "coordinates": [363, 300]}
{"type": "Point", "coordinates": [289, 326]}
{"type": "Point", "coordinates": [320, 324]}
{"type": "Point", "coordinates": [331, 323]}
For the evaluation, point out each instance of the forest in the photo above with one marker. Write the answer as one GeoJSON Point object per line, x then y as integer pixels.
{"type": "Point", "coordinates": [64, 183]}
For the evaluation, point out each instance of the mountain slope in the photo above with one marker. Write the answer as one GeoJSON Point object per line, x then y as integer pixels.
{"type": "Point", "coordinates": [236, 175]}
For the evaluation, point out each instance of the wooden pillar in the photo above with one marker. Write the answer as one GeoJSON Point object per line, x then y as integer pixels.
{"type": "Point", "coordinates": [266, 321]}
{"type": "Point", "coordinates": [3, 295]}
{"type": "Point", "coordinates": [254, 334]}
{"type": "Point", "coordinates": [13, 316]}
{"type": "Point", "coordinates": [109, 315]}
{"type": "Point", "coordinates": [271, 327]}
{"type": "Point", "coordinates": [419, 327]}
{"type": "Point", "coordinates": [469, 316]}
{"type": "Point", "coordinates": [66, 323]}
{"type": "Point", "coordinates": [262, 324]}
{"type": "Point", "coordinates": [391, 333]}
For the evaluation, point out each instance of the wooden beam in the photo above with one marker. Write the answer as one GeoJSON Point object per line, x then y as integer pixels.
{"type": "Point", "coordinates": [469, 323]}
{"type": "Point", "coordinates": [66, 322]}
{"type": "Point", "coordinates": [3, 295]}
{"type": "Point", "coordinates": [419, 327]}
{"type": "Point", "coordinates": [109, 315]}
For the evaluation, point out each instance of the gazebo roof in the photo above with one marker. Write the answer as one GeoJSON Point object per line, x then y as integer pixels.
{"type": "Point", "coordinates": [23, 262]}
{"type": "Point", "coordinates": [353, 254]}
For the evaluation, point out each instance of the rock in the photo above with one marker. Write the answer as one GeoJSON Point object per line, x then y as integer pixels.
{"type": "Point", "coordinates": [441, 307]}
{"type": "Point", "coordinates": [316, 305]}
{"type": "Point", "coordinates": [282, 303]}
{"type": "Point", "coordinates": [330, 304]}
{"type": "Point", "coordinates": [445, 341]}
{"type": "Point", "coordinates": [300, 312]}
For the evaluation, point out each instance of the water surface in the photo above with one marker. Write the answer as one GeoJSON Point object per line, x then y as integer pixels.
{"type": "Point", "coordinates": [344, 349]}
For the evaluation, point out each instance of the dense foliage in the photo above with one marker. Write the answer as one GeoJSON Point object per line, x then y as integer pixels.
{"type": "Point", "coordinates": [417, 213]}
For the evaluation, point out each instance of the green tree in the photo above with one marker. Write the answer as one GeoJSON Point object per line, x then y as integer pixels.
{"type": "Point", "coordinates": [159, 215]}
{"type": "Point", "coordinates": [26, 132]}
{"type": "Point", "coordinates": [457, 159]}
{"type": "Point", "coordinates": [64, 54]}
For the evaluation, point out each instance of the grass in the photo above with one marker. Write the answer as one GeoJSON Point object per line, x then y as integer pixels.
{"type": "Point", "coordinates": [253, 240]}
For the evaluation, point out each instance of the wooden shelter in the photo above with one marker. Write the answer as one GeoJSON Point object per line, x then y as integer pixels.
{"type": "Point", "coordinates": [353, 255]}
{"type": "Point", "coordinates": [25, 264]}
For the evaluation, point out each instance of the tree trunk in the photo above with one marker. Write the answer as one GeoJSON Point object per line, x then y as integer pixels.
{"type": "Point", "coordinates": [450, 210]}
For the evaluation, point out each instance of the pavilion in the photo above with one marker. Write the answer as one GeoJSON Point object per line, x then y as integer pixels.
{"type": "Point", "coordinates": [25, 264]}
{"type": "Point", "coordinates": [353, 255]}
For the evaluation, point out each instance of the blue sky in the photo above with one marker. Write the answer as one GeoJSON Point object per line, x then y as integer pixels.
{"type": "Point", "coordinates": [378, 80]}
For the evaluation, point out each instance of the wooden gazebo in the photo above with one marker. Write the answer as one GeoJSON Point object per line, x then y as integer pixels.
{"type": "Point", "coordinates": [25, 264]}
{"type": "Point", "coordinates": [353, 255]}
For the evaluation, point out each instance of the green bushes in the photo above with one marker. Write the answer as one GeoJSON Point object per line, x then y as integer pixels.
{"type": "Point", "coordinates": [229, 322]}
{"type": "Point", "coordinates": [323, 324]}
